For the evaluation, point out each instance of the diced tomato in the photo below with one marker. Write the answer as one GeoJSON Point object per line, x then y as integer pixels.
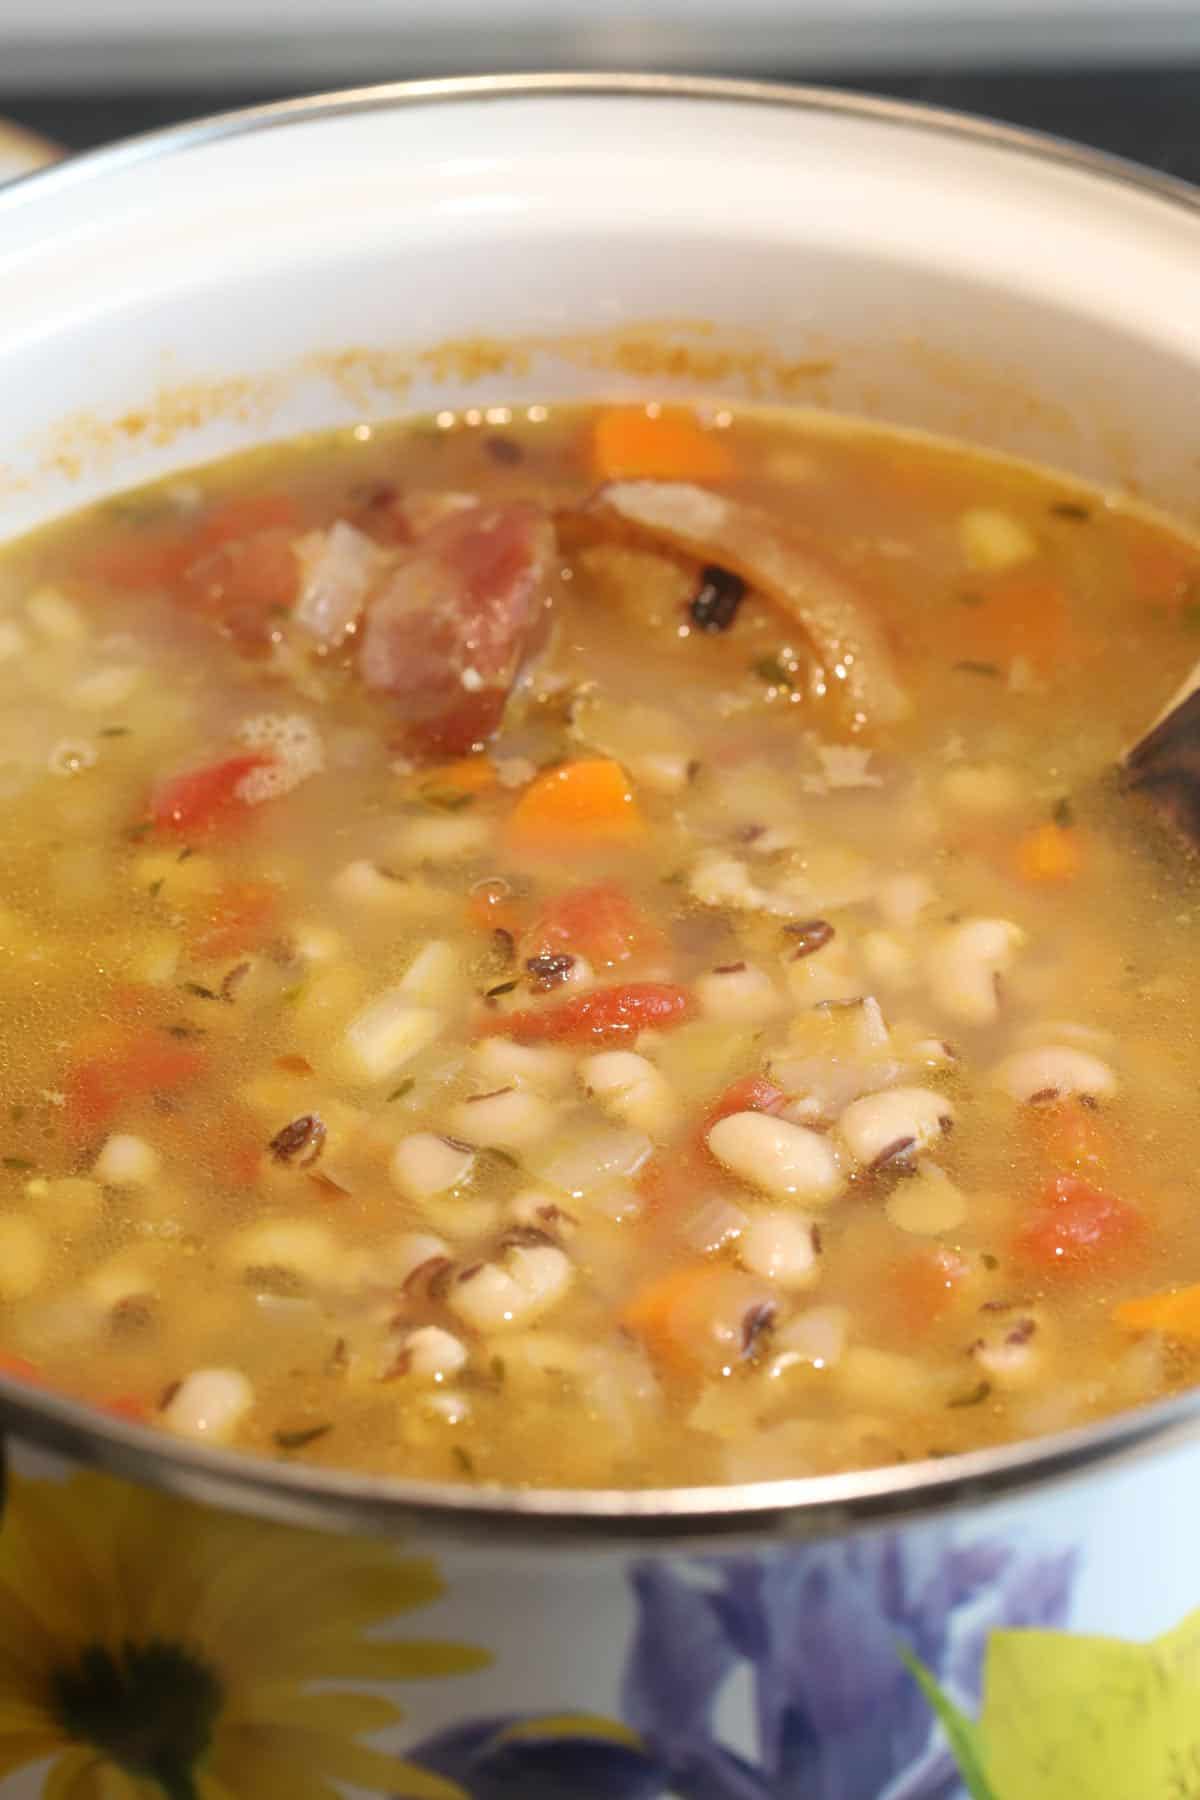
{"type": "Point", "coordinates": [136, 1066]}
{"type": "Point", "coordinates": [669, 1184]}
{"type": "Point", "coordinates": [245, 515]}
{"type": "Point", "coordinates": [753, 1093]}
{"type": "Point", "coordinates": [204, 800]}
{"type": "Point", "coordinates": [924, 1286]}
{"type": "Point", "coordinates": [607, 1014]}
{"type": "Point", "coordinates": [599, 922]}
{"type": "Point", "coordinates": [125, 1406]}
{"type": "Point", "coordinates": [1074, 1228]}
{"type": "Point", "coordinates": [1071, 1135]}
{"type": "Point", "coordinates": [240, 916]}
{"type": "Point", "coordinates": [141, 561]}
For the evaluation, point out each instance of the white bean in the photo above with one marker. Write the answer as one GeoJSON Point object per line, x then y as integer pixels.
{"type": "Point", "coordinates": [127, 1161]}
{"type": "Point", "coordinates": [498, 1296]}
{"type": "Point", "coordinates": [109, 687]}
{"type": "Point", "coordinates": [899, 1121]}
{"type": "Point", "coordinates": [24, 1256]}
{"type": "Point", "coordinates": [209, 1403]}
{"type": "Point", "coordinates": [887, 959]}
{"type": "Point", "coordinates": [778, 1157]}
{"type": "Point", "coordinates": [424, 1164]}
{"type": "Point", "coordinates": [432, 1354]}
{"type": "Point", "coordinates": [509, 1119]}
{"type": "Point", "coordinates": [992, 540]}
{"type": "Point", "coordinates": [630, 1087]}
{"type": "Point", "coordinates": [1012, 1348]}
{"type": "Point", "coordinates": [303, 1246]}
{"type": "Point", "coordinates": [405, 1254]}
{"type": "Point", "coordinates": [781, 1247]}
{"type": "Point", "coordinates": [1053, 1070]}
{"type": "Point", "coordinates": [739, 994]}
{"type": "Point", "coordinates": [500, 1062]}
{"type": "Point", "coordinates": [442, 838]}
{"type": "Point", "coordinates": [539, 1208]}
{"type": "Point", "coordinates": [120, 1278]}
{"type": "Point", "coordinates": [903, 898]}
{"type": "Point", "coordinates": [816, 1336]}
{"type": "Point", "coordinates": [988, 789]}
{"type": "Point", "coordinates": [926, 1204]}
{"type": "Point", "coordinates": [965, 963]}
{"type": "Point", "coordinates": [364, 883]}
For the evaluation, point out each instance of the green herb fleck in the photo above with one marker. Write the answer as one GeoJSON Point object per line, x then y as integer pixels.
{"type": "Point", "coordinates": [185, 1031]}
{"type": "Point", "coordinates": [142, 829]}
{"type": "Point", "coordinates": [774, 671]}
{"type": "Point", "coordinates": [989, 1261]}
{"type": "Point", "coordinates": [1064, 812]}
{"type": "Point", "coordinates": [20, 1164]}
{"type": "Point", "coordinates": [447, 799]}
{"type": "Point", "coordinates": [1189, 616]}
{"type": "Point", "coordinates": [498, 1370]}
{"type": "Point", "coordinates": [185, 853]}
{"type": "Point", "coordinates": [113, 731]}
{"type": "Point", "coordinates": [991, 670]}
{"type": "Point", "coordinates": [969, 598]}
{"type": "Point", "coordinates": [303, 1435]}
{"type": "Point", "coordinates": [504, 987]}
{"type": "Point", "coordinates": [290, 995]}
{"type": "Point", "coordinates": [1071, 509]}
{"type": "Point", "coordinates": [463, 1458]}
{"type": "Point", "coordinates": [201, 992]}
{"type": "Point", "coordinates": [155, 888]}
{"type": "Point", "coordinates": [406, 1087]}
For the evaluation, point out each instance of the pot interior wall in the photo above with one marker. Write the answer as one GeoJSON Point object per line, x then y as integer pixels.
{"type": "Point", "coordinates": [164, 306]}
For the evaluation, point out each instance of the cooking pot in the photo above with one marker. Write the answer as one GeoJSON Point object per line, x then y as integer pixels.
{"type": "Point", "coordinates": [191, 1624]}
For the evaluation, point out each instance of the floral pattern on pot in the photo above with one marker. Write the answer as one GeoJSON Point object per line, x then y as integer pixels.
{"type": "Point", "coordinates": [821, 1634]}
{"type": "Point", "coordinates": [151, 1649]}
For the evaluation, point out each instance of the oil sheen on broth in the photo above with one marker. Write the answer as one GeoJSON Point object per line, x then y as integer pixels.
{"type": "Point", "coordinates": [596, 948]}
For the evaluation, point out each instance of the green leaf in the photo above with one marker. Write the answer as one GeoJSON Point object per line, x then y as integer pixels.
{"type": "Point", "coordinates": [962, 1734]}
{"type": "Point", "coordinates": [1091, 1718]}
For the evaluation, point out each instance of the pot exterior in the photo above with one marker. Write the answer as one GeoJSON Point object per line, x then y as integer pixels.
{"type": "Point", "coordinates": [152, 1647]}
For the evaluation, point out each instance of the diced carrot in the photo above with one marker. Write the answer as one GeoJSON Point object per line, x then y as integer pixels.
{"type": "Point", "coordinates": [1049, 855]}
{"type": "Point", "coordinates": [599, 922]}
{"type": "Point", "coordinates": [668, 1314]}
{"type": "Point", "coordinates": [1018, 615]}
{"type": "Point", "coordinates": [631, 444]}
{"type": "Point", "coordinates": [1164, 570]}
{"type": "Point", "coordinates": [1176, 1313]}
{"type": "Point", "coordinates": [606, 1015]}
{"type": "Point", "coordinates": [580, 805]}
{"type": "Point", "coordinates": [240, 916]}
{"type": "Point", "coordinates": [140, 561]}
{"type": "Point", "coordinates": [468, 775]}
{"type": "Point", "coordinates": [199, 801]}
{"type": "Point", "coordinates": [491, 907]}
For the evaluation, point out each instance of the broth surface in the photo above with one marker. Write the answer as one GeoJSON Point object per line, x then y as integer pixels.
{"type": "Point", "coordinates": [756, 1059]}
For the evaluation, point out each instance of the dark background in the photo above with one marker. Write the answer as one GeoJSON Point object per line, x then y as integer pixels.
{"type": "Point", "coordinates": [1150, 114]}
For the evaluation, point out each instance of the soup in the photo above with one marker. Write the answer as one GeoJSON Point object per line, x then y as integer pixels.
{"type": "Point", "coordinates": [597, 946]}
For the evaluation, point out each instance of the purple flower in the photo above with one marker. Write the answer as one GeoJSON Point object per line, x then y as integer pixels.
{"type": "Point", "coordinates": [815, 1629]}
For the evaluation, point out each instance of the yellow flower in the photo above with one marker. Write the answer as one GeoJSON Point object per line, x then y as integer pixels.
{"type": "Point", "coordinates": [157, 1650]}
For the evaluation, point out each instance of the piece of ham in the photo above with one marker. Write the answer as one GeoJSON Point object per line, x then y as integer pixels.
{"type": "Point", "coordinates": [449, 628]}
{"type": "Point", "coordinates": [853, 661]}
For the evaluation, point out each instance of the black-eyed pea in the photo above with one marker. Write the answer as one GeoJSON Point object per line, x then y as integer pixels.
{"type": "Point", "coordinates": [1054, 1071]}
{"type": "Point", "coordinates": [630, 1088]}
{"type": "Point", "coordinates": [424, 1164]}
{"type": "Point", "coordinates": [899, 1122]}
{"type": "Point", "coordinates": [965, 964]}
{"type": "Point", "coordinates": [510, 1118]}
{"type": "Point", "coordinates": [737, 993]}
{"type": "Point", "coordinates": [780, 1246]}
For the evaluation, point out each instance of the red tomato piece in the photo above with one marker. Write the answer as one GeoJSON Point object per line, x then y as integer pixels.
{"type": "Point", "coordinates": [204, 800]}
{"type": "Point", "coordinates": [245, 515]}
{"type": "Point", "coordinates": [1072, 1135]}
{"type": "Point", "coordinates": [99, 1087]}
{"type": "Point", "coordinates": [125, 1406]}
{"type": "Point", "coordinates": [1075, 1227]}
{"type": "Point", "coordinates": [607, 1013]}
{"type": "Point", "coordinates": [753, 1093]}
{"type": "Point", "coordinates": [599, 922]}
{"type": "Point", "coordinates": [239, 917]}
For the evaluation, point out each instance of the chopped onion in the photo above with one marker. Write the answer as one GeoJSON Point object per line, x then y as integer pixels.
{"type": "Point", "coordinates": [595, 1160]}
{"type": "Point", "coordinates": [714, 1223]}
{"type": "Point", "coordinates": [336, 569]}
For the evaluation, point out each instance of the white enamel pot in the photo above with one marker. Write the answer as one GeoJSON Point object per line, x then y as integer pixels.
{"type": "Point", "coordinates": [171, 1626]}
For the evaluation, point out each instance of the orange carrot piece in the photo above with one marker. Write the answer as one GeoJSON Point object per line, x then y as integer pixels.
{"type": "Point", "coordinates": [667, 1313]}
{"type": "Point", "coordinates": [1176, 1313]}
{"type": "Point", "coordinates": [468, 775]}
{"type": "Point", "coordinates": [1021, 614]}
{"type": "Point", "coordinates": [1049, 856]}
{"type": "Point", "coordinates": [575, 806]}
{"type": "Point", "coordinates": [631, 444]}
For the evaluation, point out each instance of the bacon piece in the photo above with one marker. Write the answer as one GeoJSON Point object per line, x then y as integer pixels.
{"type": "Point", "coordinates": [450, 628]}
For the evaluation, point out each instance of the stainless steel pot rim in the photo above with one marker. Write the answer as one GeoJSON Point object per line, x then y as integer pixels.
{"type": "Point", "coordinates": [807, 1506]}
